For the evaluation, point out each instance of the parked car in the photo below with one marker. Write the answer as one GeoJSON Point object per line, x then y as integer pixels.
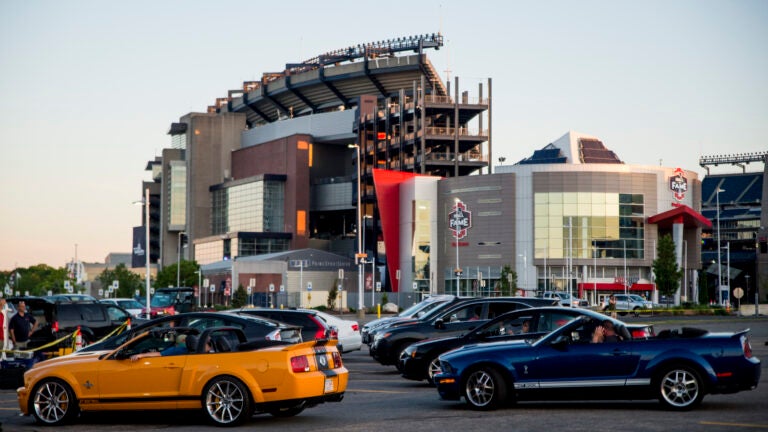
{"type": "Point", "coordinates": [348, 332]}
{"type": "Point", "coordinates": [566, 299]}
{"type": "Point", "coordinates": [255, 328]}
{"type": "Point", "coordinates": [69, 298]}
{"type": "Point", "coordinates": [131, 305]}
{"type": "Point", "coordinates": [431, 309]}
{"type": "Point", "coordinates": [287, 381]}
{"type": "Point", "coordinates": [420, 360]}
{"type": "Point", "coordinates": [626, 303]}
{"type": "Point", "coordinates": [461, 317]}
{"type": "Point", "coordinates": [416, 311]}
{"type": "Point", "coordinates": [58, 319]}
{"type": "Point", "coordinates": [172, 300]}
{"type": "Point", "coordinates": [312, 326]}
{"type": "Point", "coordinates": [677, 368]}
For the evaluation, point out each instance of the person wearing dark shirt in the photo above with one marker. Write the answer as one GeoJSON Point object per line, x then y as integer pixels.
{"type": "Point", "coordinates": [21, 327]}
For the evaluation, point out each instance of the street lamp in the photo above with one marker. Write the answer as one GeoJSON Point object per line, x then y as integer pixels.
{"type": "Point", "coordinates": [625, 266]}
{"type": "Point", "coordinates": [457, 201]}
{"type": "Point", "coordinates": [145, 201]}
{"type": "Point", "coordinates": [359, 256]}
{"type": "Point", "coordinates": [178, 260]}
{"type": "Point", "coordinates": [719, 270]}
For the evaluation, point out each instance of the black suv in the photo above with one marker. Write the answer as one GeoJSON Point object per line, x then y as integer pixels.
{"type": "Point", "coordinates": [58, 319]}
{"type": "Point", "coordinates": [453, 321]}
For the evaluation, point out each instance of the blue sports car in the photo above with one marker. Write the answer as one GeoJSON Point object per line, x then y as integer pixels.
{"type": "Point", "coordinates": [676, 367]}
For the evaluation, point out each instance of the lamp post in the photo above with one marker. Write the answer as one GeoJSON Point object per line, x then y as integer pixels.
{"type": "Point", "coordinates": [145, 201]}
{"type": "Point", "coordinates": [719, 270]}
{"type": "Point", "coordinates": [359, 257]}
{"type": "Point", "coordinates": [458, 269]}
{"type": "Point", "coordinates": [199, 285]}
{"type": "Point", "coordinates": [178, 260]}
{"type": "Point", "coordinates": [570, 257]}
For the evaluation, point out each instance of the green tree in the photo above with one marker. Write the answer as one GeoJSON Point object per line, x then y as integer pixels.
{"type": "Point", "coordinates": [508, 281]}
{"type": "Point", "coordinates": [333, 295]}
{"type": "Point", "coordinates": [128, 281]}
{"type": "Point", "coordinates": [240, 298]}
{"type": "Point", "coordinates": [187, 275]}
{"type": "Point", "coordinates": [668, 274]}
{"type": "Point", "coordinates": [37, 280]}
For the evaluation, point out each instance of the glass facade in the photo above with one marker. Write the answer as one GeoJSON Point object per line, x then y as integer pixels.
{"type": "Point", "coordinates": [591, 224]}
{"type": "Point", "coordinates": [258, 246]}
{"type": "Point", "coordinates": [177, 195]}
{"type": "Point", "coordinates": [421, 229]}
{"type": "Point", "coordinates": [251, 207]}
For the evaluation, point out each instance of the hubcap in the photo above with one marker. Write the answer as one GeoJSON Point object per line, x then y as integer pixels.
{"type": "Point", "coordinates": [224, 402]}
{"type": "Point", "coordinates": [51, 402]}
{"type": "Point", "coordinates": [679, 388]}
{"type": "Point", "coordinates": [480, 388]}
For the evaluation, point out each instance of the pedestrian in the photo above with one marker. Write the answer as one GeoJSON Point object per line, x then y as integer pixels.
{"type": "Point", "coordinates": [610, 305]}
{"type": "Point", "coordinates": [21, 326]}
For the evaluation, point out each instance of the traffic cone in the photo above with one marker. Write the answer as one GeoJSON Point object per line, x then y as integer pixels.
{"type": "Point", "coordinates": [78, 340]}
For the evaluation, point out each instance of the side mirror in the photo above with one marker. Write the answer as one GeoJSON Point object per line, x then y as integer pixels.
{"type": "Point", "coordinates": [439, 324]}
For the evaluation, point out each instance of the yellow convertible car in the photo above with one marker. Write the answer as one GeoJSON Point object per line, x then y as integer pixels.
{"type": "Point", "coordinates": [216, 371]}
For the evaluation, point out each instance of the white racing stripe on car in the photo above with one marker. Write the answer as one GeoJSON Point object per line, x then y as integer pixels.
{"type": "Point", "coordinates": [583, 383]}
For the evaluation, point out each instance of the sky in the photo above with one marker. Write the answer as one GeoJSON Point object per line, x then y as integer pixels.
{"type": "Point", "coordinates": [88, 89]}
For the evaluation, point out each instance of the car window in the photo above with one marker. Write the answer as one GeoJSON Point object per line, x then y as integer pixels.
{"type": "Point", "coordinates": [92, 312]}
{"type": "Point", "coordinates": [465, 313]}
{"type": "Point", "coordinates": [204, 323]}
{"type": "Point", "coordinates": [497, 308]}
{"type": "Point", "coordinates": [549, 321]}
{"type": "Point", "coordinates": [116, 314]}
{"type": "Point", "coordinates": [514, 325]}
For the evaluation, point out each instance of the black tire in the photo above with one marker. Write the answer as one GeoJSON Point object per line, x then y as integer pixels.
{"type": "Point", "coordinates": [485, 389]}
{"type": "Point", "coordinates": [53, 403]}
{"type": "Point", "coordinates": [226, 401]}
{"type": "Point", "coordinates": [433, 367]}
{"type": "Point", "coordinates": [288, 411]}
{"type": "Point", "coordinates": [680, 388]}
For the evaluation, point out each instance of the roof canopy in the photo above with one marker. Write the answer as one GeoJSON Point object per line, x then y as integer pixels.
{"type": "Point", "coordinates": [681, 214]}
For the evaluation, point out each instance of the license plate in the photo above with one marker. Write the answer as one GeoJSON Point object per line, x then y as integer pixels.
{"type": "Point", "coordinates": [328, 385]}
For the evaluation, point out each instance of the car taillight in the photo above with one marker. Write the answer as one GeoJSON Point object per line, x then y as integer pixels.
{"type": "Point", "coordinates": [333, 333]}
{"type": "Point", "coordinates": [300, 364]}
{"type": "Point", "coordinates": [355, 327]}
{"type": "Point", "coordinates": [55, 326]}
{"type": "Point", "coordinates": [336, 359]}
{"type": "Point", "coordinates": [746, 346]}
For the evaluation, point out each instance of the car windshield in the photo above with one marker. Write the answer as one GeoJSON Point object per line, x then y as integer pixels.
{"type": "Point", "coordinates": [162, 300]}
{"type": "Point", "coordinates": [129, 304]}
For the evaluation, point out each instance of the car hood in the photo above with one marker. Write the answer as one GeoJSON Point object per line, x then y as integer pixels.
{"type": "Point", "coordinates": [475, 348]}
{"type": "Point", "coordinates": [69, 359]}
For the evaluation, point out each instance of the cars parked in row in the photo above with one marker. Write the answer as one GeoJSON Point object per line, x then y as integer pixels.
{"type": "Point", "coordinates": [414, 312]}
{"type": "Point", "coordinates": [678, 368]}
{"type": "Point", "coordinates": [289, 378]}
{"type": "Point", "coordinates": [254, 328]}
{"type": "Point", "coordinates": [462, 316]}
{"type": "Point", "coordinates": [420, 360]}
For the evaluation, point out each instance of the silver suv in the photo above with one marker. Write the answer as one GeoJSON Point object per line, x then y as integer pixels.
{"type": "Point", "coordinates": [626, 303]}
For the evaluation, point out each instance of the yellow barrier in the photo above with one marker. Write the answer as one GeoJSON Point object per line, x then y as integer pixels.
{"type": "Point", "coordinates": [62, 351]}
